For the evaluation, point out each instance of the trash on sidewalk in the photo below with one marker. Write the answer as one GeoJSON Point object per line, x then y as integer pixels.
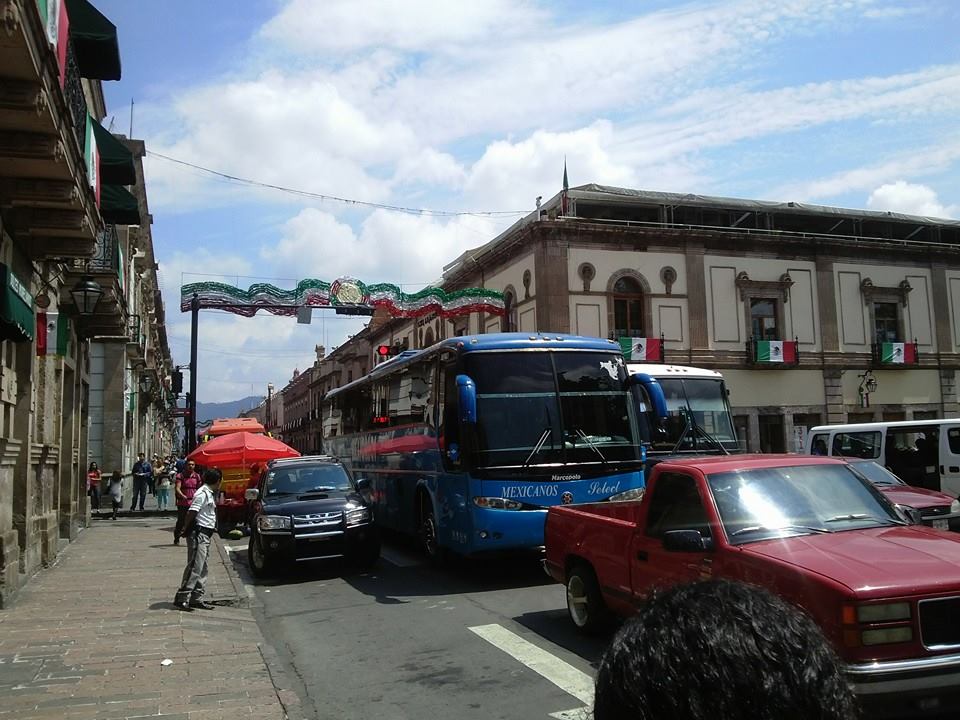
{"type": "Point", "coordinates": [166, 661]}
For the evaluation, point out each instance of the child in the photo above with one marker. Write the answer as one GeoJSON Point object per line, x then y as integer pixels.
{"type": "Point", "coordinates": [116, 491]}
{"type": "Point", "coordinates": [163, 489]}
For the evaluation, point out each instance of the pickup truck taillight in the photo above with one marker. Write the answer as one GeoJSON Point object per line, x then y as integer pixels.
{"type": "Point", "coordinates": [877, 624]}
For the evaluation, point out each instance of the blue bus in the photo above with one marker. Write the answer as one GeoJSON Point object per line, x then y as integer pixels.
{"type": "Point", "coordinates": [468, 442]}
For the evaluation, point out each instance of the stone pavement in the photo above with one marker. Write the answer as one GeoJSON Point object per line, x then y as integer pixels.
{"type": "Point", "coordinates": [86, 637]}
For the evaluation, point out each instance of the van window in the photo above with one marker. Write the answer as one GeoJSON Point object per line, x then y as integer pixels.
{"type": "Point", "coordinates": [857, 444]}
{"type": "Point", "coordinates": [819, 444]}
{"type": "Point", "coordinates": [953, 437]}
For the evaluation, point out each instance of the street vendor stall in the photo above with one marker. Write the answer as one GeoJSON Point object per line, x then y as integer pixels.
{"type": "Point", "coordinates": [235, 455]}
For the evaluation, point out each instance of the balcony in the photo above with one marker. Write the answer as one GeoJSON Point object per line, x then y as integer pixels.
{"type": "Point", "coordinates": [895, 354]}
{"type": "Point", "coordinates": [109, 320]}
{"type": "Point", "coordinates": [773, 353]}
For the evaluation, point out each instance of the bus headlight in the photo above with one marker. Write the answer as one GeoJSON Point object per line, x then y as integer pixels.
{"type": "Point", "coordinates": [497, 503]}
{"type": "Point", "coordinates": [632, 494]}
{"type": "Point", "coordinates": [273, 522]}
{"type": "Point", "coordinates": [357, 516]}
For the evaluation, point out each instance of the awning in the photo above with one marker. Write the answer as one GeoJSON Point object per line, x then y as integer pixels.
{"type": "Point", "coordinates": [116, 161]}
{"type": "Point", "coordinates": [94, 41]}
{"type": "Point", "coordinates": [17, 321]}
{"type": "Point", "coordinates": [118, 206]}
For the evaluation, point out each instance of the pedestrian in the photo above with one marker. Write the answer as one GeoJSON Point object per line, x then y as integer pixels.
{"type": "Point", "coordinates": [152, 477]}
{"type": "Point", "coordinates": [141, 473]}
{"type": "Point", "coordinates": [163, 488]}
{"type": "Point", "coordinates": [93, 486]}
{"type": "Point", "coordinates": [186, 485]}
{"type": "Point", "coordinates": [181, 463]}
{"type": "Point", "coordinates": [721, 649]}
{"type": "Point", "coordinates": [115, 490]}
{"type": "Point", "coordinates": [198, 528]}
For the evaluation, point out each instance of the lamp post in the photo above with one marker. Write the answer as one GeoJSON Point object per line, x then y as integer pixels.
{"type": "Point", "coordinates": [86, 294]}
{"type": "Point", "coordinates": [868, 384]}
{"type": "Point", "coordinates": [269, 414]}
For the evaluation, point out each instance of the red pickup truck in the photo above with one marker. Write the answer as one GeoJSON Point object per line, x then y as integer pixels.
{"type": "Point", "coordinates": [885, 593]}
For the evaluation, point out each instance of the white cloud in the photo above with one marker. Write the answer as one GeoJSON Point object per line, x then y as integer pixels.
{"type": "Point", "coordinates": [345, 25]}
{"type": "Point", "coordinates": [911, 199]}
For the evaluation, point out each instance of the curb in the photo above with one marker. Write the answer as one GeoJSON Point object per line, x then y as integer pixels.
{"type": "Point", "coordinates": [239, 590]}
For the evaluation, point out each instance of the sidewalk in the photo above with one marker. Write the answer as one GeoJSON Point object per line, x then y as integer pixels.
{"type": "Point", "coordinates": [86, 637]}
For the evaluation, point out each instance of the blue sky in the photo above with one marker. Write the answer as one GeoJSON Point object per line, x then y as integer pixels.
{"type": "Point", "coordinates": [473, 106]}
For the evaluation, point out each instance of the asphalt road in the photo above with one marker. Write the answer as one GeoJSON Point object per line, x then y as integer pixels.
{"type": "Point", "coordinates": [476, 640]}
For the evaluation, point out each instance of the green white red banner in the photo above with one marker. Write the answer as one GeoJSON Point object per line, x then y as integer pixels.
{"type": "Point", "coordinates": [53, 333]}
{"type": "Point", "coordinates": [91, 155]}
{"type": "Point", "coordinates": [776, 351]}
{"type": "Point", "coordinates": [898, 353]}
{"type": "Point", "coordinates": [642, 349]}
{"type": "Point", "coordinates": [57, 25]}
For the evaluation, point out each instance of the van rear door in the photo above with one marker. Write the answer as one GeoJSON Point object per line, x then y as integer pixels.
{"type": "Point", "coordinates": [950, 458]}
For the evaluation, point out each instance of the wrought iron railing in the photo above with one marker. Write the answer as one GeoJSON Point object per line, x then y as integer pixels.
{"type": "Point", "coordinates": [888, 354]}
{"type": "Point", "coordinates": [106, 253]}
{"type": "Point", "coordinates": [76, 102]}
{"type": "Point", "coordinates": [773, 353]}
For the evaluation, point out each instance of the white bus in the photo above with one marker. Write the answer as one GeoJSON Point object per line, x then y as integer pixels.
{"type": "Point", "coordinates": [699, 393]}
{"type": "Point", "coordinates": [925, 453]}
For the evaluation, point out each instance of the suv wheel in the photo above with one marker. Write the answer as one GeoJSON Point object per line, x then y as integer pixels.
{"type": "Point", "coordinates": [255, 554]}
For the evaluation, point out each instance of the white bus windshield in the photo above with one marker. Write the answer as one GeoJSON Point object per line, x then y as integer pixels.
{"type": "Point", "coordinates": [706, 398]}
{"type": "Point", "coordinates": [548, 408]}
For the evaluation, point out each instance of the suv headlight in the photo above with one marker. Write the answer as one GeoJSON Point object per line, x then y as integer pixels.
{"type": "Point", "coordinates": [955, 507]}
{"type": "Point", "coordinates": [884, 612]}
{"type": "Point", "coordinates": [358, 516]}
{"type": "Point", "coordinates": [273, 522]}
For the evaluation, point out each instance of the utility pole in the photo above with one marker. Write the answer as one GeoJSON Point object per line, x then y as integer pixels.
{"type": "Point", "coordinates": [192, 405]}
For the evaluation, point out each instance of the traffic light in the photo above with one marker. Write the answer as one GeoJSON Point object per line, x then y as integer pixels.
{"type": "Point", "coordinates": [176, 382]}
{"type": "Point", "coordinates": [384, 351]}
{"type": "Point", "coordinates": [388, 351]}
{"type": "Point", "coordinates": [354, 310]}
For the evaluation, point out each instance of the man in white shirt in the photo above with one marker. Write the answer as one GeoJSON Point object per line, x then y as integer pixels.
{"type": "Point", "coordinates": [199, 527]}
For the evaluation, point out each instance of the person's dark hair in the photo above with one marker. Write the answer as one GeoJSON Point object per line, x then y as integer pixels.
{"type": "Point", "coordinates": [93, 466]}
{"type": "Point", "coordinates": [212, 476]}
{"type": "Point", "coordinates": [116, 475]}
{"type": "Point", "coordinates": [721, 649]}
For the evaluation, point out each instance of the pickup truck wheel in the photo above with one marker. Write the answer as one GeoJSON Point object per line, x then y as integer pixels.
{"type": "Point", "coordinates": [256, 556]}
{"type": "Point", "coordinates": [584, 601]}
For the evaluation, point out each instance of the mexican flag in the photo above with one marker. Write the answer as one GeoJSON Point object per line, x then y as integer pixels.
{"type": "Point", "coordinates": [53, 333]}
{"type": "Point", "coordinates": [56, 23]}
{"type": "Point", "coordinates": [640, 349]}
{"type": "Point", "coordinates": [777, 351]}
{"type": "Point", "coordinates": [898, 353]}
{"type": "Point", "coordinates": [91, 155]}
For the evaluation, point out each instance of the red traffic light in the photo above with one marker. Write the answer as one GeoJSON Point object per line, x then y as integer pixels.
{"type": "Point", "coordinates": [383, 350]}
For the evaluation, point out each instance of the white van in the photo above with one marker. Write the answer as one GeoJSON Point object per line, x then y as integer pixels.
{"type": "Point", "coordinates": [925, 453]}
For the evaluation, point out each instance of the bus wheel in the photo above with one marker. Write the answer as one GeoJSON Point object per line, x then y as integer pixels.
{"type": "Point", "coordinates": [428, 531]}
{"type": "Point", "coordinates": [584, 601]}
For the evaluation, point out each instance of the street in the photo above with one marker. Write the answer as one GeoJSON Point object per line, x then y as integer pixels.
{"type": "Point", "coordinates": [407, 640]}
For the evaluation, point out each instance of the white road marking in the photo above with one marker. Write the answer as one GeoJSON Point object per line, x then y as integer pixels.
{"type": "Point", "coordinates": [400, 558]}
{"type": "Point", "coordinates": [562, 674]}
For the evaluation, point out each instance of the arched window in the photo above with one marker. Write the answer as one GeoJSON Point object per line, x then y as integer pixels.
{"type": "Point", "coordinates": [627, 308]}
{"type": "Point", "coordinates": [508, 323]}
{"type": "Point", "coordinates": [428, 337]}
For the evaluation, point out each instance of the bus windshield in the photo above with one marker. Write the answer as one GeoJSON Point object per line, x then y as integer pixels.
{"type": "Point", "coordinates": [706, 398]}
{"type": "Point", "coordinates": [549, 408]}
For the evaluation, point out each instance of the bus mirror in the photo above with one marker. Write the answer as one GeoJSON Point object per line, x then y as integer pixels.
{"type": "Point", "coordinates": [467, 398]}
{"type": "Point", "coordinates": [654, 391]}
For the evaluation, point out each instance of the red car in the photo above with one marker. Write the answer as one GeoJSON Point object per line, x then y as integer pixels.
{"type": "Point", "coordinates": [885, 593]}
{"type": "Point", "coordinates": [937, 509]}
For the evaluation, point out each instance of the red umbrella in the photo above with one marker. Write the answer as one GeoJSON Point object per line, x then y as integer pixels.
{"type": "Point", "coordinates": [241, 448]}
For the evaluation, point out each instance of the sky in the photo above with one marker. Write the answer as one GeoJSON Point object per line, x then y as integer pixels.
{"type": "Point", "coordinates": [474, 107]}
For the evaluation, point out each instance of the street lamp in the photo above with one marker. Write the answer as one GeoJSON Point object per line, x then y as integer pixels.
{"type": "Point", "coordinates": [868, 384]}
{"type": "Point", "coordinates": [86, 294]}
{"type": "Point", "coordinates": [146, 383]}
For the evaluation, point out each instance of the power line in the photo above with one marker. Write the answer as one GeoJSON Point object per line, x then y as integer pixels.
{"type": "Point", "coordinates": [335, 198]}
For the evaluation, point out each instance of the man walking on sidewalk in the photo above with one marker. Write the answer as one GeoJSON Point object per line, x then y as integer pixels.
{"type": "Point", "coordinates": [199, 527]}
{"type": "Point", "coordinates": [141, 474]}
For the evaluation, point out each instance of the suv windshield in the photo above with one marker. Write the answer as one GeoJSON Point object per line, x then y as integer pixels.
{"type": "Point", "coordinates": [773, 502]}
{"type": "Point", "coordinates": [305, 479]}
{"type": "Point", "coordinates": [538, 408]}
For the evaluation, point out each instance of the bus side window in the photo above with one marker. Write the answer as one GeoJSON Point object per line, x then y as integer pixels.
{"type": "Point", "coordinates": [449, 430]}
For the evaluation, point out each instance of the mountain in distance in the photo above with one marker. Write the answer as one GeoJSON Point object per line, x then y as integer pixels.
{"type": "Point", "coordinates": [211, 411]}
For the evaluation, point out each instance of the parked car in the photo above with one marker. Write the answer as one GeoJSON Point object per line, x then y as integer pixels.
{"type": "Point", "coordinates": [309, 508]}
{"type": "Point", "coordinates": [885, 593]}
{"type": "Point", "coordinates": [936, 509]}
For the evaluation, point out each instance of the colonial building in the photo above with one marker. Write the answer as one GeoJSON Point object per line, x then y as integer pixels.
{"type": "Point", "coordinates": [863, 307]}
{"type": "Point", "coordinates": [63, 192]}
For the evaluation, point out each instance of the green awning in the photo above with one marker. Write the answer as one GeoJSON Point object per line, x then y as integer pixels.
{"type": "Point", "coordinates": [94, 40]}
{"type": "Point", "coordinates": [17, 320]}
{"type": "Point", "coordinates": [116, 161]}
{"type": "Point", "coordinates": [118, 206]}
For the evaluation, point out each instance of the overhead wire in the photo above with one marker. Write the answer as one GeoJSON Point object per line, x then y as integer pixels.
{"type": "Point", "coordinates": [335, 198]}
